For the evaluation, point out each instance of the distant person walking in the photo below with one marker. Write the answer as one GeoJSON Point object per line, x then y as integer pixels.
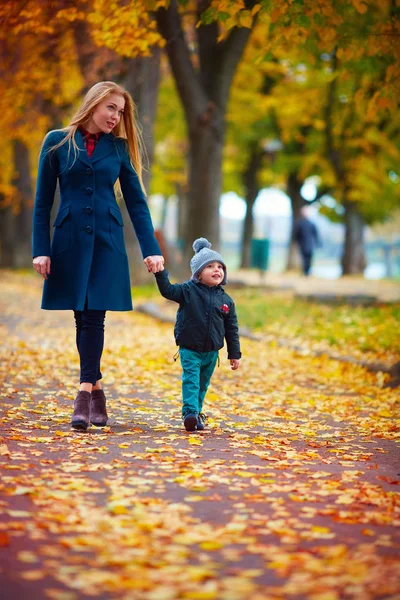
{"type": "Point", "coordinates": [307, 237]}
{"type": "Point", "coordinates": [86, 266]}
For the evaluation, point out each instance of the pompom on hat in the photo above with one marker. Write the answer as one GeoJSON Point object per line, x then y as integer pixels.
{"type": "Point", "coordinates": [204, 256]}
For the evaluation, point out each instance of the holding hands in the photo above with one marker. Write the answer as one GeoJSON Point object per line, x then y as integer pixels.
{"type": "Point", "coordinates": [154, 264]}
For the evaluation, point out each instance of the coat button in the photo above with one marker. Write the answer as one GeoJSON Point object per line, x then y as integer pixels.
{"type": "Point", "coordinates": [89, 210]}
{"type": "Point", "coordinates": [88, 229]}
{"type": "Point", "coordinates": [89, 191]}
{"type": "Point", "coordinates": [89, 171]}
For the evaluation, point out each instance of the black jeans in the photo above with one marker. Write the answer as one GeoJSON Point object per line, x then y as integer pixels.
{"type": "Point", "coordinates": [306, 259]}
{"type": "Point", "coordinates": [90, 342]}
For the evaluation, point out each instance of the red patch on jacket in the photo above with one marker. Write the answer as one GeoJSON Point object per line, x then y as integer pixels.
{"type": "Point", "coordinates": [225, 308]}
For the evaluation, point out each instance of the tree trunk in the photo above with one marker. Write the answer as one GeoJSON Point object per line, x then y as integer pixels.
{"type": "Point", "coordinates": [7, 235]}
{"type": "Point", "coordinates": [204, 93]}
{"type": "Point", "coordinates": [181, 193]}
{"type": "Point", "coordinates": [23, 219]}
{"type": "Point", "coordinates": [353, 258]}
{"type": "Point", "coordinates": [142, 82]}
{"type": "Point", "coordinates": [247, 235]}
{"type": "Point", "coordinates": [205, 182]}
{"type": "Point", "coordinates": [293, 188]}
{"type": "Point", "coordinates": [252, 189]}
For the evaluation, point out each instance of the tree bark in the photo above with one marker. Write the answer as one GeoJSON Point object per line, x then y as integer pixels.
{"type": "Point", "coordinates": [7, 236]}
{"type": "Point", "coordinates": [204, 95]}
{"type": "Point", "coordinates": [353, 258]}
{"type": "Point", "coordinates": [23, 219]}
{"type": "Point", "coordinates": [252, 189]}
{"type": "Point", "coordinates": [293, 187]}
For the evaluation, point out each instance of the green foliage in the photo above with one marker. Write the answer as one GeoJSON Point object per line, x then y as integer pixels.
{"type": "Point", "coordinates": [145, 292]}
{"type": "Point", "coordinates": [347, 328]}
{"type": "Point", "coordinates": [352, 330]}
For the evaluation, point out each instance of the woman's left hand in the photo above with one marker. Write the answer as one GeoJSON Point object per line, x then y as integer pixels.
{"type": "Point", "coordinates": [154, 264]}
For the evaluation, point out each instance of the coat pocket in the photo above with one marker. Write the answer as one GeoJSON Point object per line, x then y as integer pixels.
{"type": "Point", "coordinates": [116, 230]}
{"type": "Point", "coordinates": [62, 232]}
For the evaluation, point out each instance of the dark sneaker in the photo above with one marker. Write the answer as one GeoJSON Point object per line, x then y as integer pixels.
{"type": "Point", "coordinates": [190, 422]}
{"type": "Point", "coordinates": [201, 422]}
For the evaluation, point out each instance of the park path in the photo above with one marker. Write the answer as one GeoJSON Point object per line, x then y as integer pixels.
{"type": "Point", "coordinates": [291, 492]}
{"type": "Point", "coordinates": [353, 289]}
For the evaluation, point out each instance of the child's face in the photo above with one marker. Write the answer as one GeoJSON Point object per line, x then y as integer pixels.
{"type": "Point", "coordinates": [212, 274]}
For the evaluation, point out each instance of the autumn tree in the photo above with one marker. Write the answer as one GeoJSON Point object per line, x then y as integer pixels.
{"type": "Point", "coordinates": [56, 62]}
{"type": "Point", "coordinates": [317, 128]}
{"type": "Point", "coordinates": [204, 88]}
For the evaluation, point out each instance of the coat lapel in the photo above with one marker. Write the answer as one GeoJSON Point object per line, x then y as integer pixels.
{"type": "Point", "coordinates": [104, 146]}
{"type": "Point", "coordinates": [83, 155]}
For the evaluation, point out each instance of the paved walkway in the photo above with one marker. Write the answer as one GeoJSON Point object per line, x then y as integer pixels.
{"type": "Point", "coordinates": [291, 492]}
{"type": "Point", "coordinates": [349, 287]}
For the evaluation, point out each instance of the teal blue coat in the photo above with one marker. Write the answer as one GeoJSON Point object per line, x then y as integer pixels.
{"type": "Point", "coordinates": [88, 254]}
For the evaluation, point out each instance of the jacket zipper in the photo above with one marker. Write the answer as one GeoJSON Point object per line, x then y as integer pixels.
{"type": "Point", "coordinates": [209, 319]}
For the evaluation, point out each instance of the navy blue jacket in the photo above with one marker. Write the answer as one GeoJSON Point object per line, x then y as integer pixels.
{"type": "Point", "coordinates": [206, 316]}
{"type": "Point", "coordinates": [88, 255]}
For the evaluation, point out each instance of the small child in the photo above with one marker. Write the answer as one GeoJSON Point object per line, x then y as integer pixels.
{"type": "Point", "coordinates": [206, 316]}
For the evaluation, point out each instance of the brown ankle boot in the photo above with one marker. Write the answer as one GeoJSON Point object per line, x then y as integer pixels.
{"type": "Point", "coordinates": [80, 418]}
{"type": "Point", "coordinates": [98, 413]}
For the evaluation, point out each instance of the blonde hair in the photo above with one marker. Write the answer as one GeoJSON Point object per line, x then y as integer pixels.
{"type": "Point", "coordinates": [127, 128]}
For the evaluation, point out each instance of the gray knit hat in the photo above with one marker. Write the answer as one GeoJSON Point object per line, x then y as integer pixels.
{"type": "Point", "coordinates": [204, 256]}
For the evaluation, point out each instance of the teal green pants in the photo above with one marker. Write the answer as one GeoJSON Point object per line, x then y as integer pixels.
{"type": "Point", "coordinates": [197, 369]}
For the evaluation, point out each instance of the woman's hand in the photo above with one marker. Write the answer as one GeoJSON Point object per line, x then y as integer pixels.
{"type": "Point", "coordinates": [154, 264]}
{"type": "Point", "coordinates": [235, 363]}
{"type": "Point", "coordinates": [42, 265]}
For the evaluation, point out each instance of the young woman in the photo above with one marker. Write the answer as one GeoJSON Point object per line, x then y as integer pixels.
{"type": "Point", "coordinates": [86, 266]}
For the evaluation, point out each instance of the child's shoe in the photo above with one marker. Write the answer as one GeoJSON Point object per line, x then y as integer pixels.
{"type": "Point", "coordinates": [190, 421]}
{"type": "Point", "coordinates": [201, 422]}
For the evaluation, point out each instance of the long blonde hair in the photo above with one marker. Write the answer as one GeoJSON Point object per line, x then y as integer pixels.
{"type": "Point", "coordinates": [127, 128]}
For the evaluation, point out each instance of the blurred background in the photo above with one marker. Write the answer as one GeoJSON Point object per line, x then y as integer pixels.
{"type": "Point", "coordinates": [249, 111]}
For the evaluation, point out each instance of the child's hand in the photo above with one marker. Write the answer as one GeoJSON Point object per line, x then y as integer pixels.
{"type": "Point", "coordinates": [235, 363]}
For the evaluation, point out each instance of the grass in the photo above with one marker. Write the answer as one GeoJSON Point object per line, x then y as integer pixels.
{"type": "Point", "coordinates": [372, 330]}
{"type": "Point", "coordinates": [365, 329]}
{"type": "Point", "coordinates": [145, 292]}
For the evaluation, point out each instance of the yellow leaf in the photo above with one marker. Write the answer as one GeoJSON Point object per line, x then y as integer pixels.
{"type": "Point", "coordinates": [18, 513]}
{"type": "Point", "coordinates": [201, 595]}
{"type": "Point", "coordinates": [195, 441]}
{"type": "Point", "coordinates": [211, 545]}
{"type": "Point", "coordinates": [28, 557]}
{"type": "Point", "coordinates": [368, 532]}
{"type": "Point", "coordinates": [319, 529]}
{"type": "Point", "coordinates": [385, 413]}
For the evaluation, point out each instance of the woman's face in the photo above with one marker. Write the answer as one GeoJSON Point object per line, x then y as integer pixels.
{"type": "Point", "coordinates": [108, 113]}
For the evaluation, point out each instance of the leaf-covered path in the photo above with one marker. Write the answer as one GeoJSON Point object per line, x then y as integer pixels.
{"type": "Point", "coordinates": [291, 492]}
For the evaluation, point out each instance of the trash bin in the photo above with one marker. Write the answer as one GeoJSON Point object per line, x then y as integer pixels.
{"type": "Point", "coordinates": [259, 254]}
